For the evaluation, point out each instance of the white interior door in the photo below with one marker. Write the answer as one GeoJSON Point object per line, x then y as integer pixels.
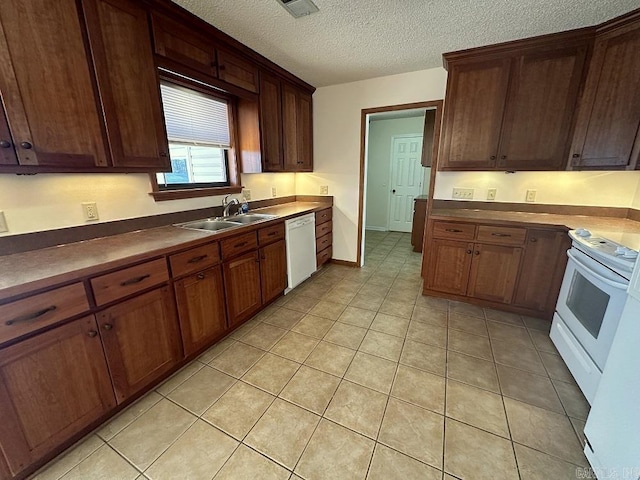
{"type": "Point", "coordinates": [406, 181]}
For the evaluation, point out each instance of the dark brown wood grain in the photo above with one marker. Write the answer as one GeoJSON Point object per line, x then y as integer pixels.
{"type": "Point", "coordinates": [324, 216]}
{"type": "Point", "coordinates": [238, 244]}
{"type": "Point", "coordinates": [273, 270]}
{"type": "Point", "coordinates": [296, 129]}
{"type": "Point", "coordinates": [417, 227]}
{"type": "Point", "coordinates": [494, 272]}
{"type": "Point", "coordinates": [194, 259]}
{"type": "Point", "coordinates": [271, 123]}
{"type": "Point", "coordinates": [7, 147]}
{"type": "Point", "coordinates": [271, 234]}
{"type": "Point", "coordinates": [449, 263]}
{"type": "Point", "coordinates": [242, 287]}
{"type": "Point", "coordinates": [236, 71]}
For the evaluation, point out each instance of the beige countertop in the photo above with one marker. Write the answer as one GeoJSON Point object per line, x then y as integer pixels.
{"type": "Point", "coordinates": [37, 269]}
{"type": "Point", "coordinates": [621, 230]}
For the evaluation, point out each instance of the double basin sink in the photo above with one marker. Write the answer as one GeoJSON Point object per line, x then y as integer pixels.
{"type": "Point", "coordinates": [223, 223]}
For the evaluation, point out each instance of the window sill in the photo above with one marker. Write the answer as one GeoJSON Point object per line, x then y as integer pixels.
{"type": "Point", "coordinates": [161, 196]}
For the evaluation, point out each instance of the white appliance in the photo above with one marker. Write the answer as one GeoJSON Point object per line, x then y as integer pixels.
{"type": "Point", "coordinates": [613, 425]}
{"type": "Point", "coordinates": [590, 304]}
{"type": "Point", "coordinates": [300, 234]}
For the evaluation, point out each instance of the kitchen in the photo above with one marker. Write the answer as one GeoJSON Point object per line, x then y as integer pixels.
{"type": "Point", "coordinates": [54, 198]}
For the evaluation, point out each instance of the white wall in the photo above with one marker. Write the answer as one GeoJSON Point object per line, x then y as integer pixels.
{"type": "Point", "coordinates": [49, 201]}
{"type": "Point", "coordinates": [381, 132]}
{"type": "Point", "coordinates": [606, 189]}
{"type": "Point", "coordinates": [336, 118]}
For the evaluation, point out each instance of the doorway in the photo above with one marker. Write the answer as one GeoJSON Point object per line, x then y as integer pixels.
{"type": "Point", "coordinates": [397, 146]}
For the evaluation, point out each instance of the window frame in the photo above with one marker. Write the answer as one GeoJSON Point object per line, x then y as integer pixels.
{"type": "Point", "coordinates": [233, 170]}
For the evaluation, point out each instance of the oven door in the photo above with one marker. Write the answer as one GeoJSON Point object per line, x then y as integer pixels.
{"type": "Point", "coordinates": [590, 303]}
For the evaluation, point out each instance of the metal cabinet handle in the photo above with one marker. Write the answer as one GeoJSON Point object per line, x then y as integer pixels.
{"type": "Point", "coordinates": [241, 244]}
{"type": "Point", "coordinates": [452, 230]}
{"type": "Point", "coordinates": [92, 333]}
{"type": "Point", "coordinates": [492, 157]}
{"type": "Point", "coordinates": [200, 276]}
{"type": "Point", "coordinates": [197, 259]}
{"type": "Point", "coordinates": [107, 326]}
{"type": "Point", "coordinates": [501, 234]}
{"type": "Point", "coordinates": [5, 144]}
{"type": "Point", "coordinates": [576, 155]}
{"type": "Point", "coordinates": [503, 157]}
{"type": "Point", "coordinates": [133, 281]}
{"type": "Point", "coordinates": [477, 252]}
{"type": "Point", "coordinates": [469, 252]}
{"type": "Point", "coordinates": [26, 145]}
{"type": "Point", "coordinates": [533, 240]}
{"type": "Point", "coordinates": [30, 316]}
{"type": "Point", "coordinates": [271, 234]}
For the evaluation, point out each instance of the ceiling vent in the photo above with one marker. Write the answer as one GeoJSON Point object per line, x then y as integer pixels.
{"type": "Point", "coordinates": [299, 8]}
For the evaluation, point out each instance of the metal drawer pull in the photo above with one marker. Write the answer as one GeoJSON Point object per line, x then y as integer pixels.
{"type": "Point", "coordinates": [92, 334]}
{"type": "Point", "coordinates": [133, 281]}
{"type": "Point", "coordinates": [501, 234]}
{"type": "Point", "coordinates": [107, 326]}
{"type": "Point", "coordinates": [197, 259]}
{"type": "Point", "coordinates": [452, 230]}
{"type": "Point", "coordinates": [271, 234]}
{"type": "Point", "coordinates": [31, 316]}
{"type": "Point", "coordinates": [241, 244]}
{"type": "Point", "coordinates": [200, 276]}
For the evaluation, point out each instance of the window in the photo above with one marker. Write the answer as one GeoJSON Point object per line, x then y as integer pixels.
{"type": "Point", "coordinates": [200, 143]}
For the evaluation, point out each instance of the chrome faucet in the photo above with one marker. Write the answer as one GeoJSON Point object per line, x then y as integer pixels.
{"type": "Point", "coordinates": [226, 203]}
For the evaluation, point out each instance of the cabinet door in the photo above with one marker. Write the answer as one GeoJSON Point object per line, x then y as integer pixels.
{"type": "Point", "coordinates": [128, 83]}
{"type": "Point", "coordinates": [297, 132]}
{"type": "Point", "coordinates": [542, 270]}
{"type": "Point", "coordinates": [494, 271]}
{"type": "Point", "coordinates": [47, 85]}
{"type": "Point", "coordinates": [52, 386]}
{"type": "Point", "coordinates": [237, 71]}
{"type": "Point", "coordinates": [7, 150]}
{"type": "Point", "coordinates": [200, 299]}
{"type": "Point", "coordinates": [242, 287]}
{"type": "Point", "coordinates": [473, 111]}
{"type": "Point", "coordinates": [273, 270]}
{"type": "Point", "coordinates": [271, 123]}
{"type": "Point", "coordinates": [141, 340]}
{"type": "Point", "coordinates": [177, 42]}
{"type": "Point", "coordinates": [540, 110]}
{"type": "Point", "coordinates": [448, 266]}
{"type": "Point", "coordinates": [609, 114]}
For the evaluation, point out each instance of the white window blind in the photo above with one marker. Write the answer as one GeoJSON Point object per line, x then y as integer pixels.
{"type": "Point", "coordinates": [193, 118]}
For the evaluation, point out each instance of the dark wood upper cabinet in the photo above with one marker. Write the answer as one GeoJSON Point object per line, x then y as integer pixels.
{"type": "Point", "coordinates": [606, 135]}
{"type": "Point", "coordinates": [236, 71]}
{"type": "Point", "coordinates": [512, 106]}
{"type": "Point", "coordinates": [128, 83]}
{"type": "Point", "coordinates": [271, 123]}
{"type": "Point", "coordinates": [474, 106]}
{"type": "Point", "coordinates": [297, 129]}
{"type": "Point", "coordinates": [52, 386]}
{"type": "Point", "coordinates": [7, 150]}
{"type": "Point", "coordinates": [47, 86]}
{"type": "Point", "coordinates": [540, 109]}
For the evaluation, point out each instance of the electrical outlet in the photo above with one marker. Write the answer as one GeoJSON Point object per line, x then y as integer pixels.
{"type": "Point", "coordinates": [463, 193]}
{"type": "Point", "coordinates": [3, 223]}
{"type": "Point", "coordinates": [90, 210]}
{"type": "Point", "coordinates": [324, 189]}
{"type": "Point", "coordinates": [274, 192]}
{"type": "Point", "coordinates": [491, 193]}
{"type": "Point", "coordinates": [246, 193]}
{"type": "Point", "coordinates": [531, 196]}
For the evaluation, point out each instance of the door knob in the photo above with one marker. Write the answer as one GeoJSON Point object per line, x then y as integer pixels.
{"type": "Point", "coordinates": [393, 191]}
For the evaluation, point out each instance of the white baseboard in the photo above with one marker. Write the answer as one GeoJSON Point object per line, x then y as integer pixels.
{"type": "Point", "coordinates": [377, 229]}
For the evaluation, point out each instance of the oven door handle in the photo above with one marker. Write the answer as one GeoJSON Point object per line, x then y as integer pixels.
{"type": "Point", "coordinates": [590, 271]}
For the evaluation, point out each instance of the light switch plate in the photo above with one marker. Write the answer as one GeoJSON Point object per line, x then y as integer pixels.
{"type": "Point", "coordinates": [324, 189]}
{"type": "Point", "coordinates": [531, 196]}
{"type": "Point", "coordinates": [246, 193]}
{"type": "Point", "coordinates": [90, 211]}
{"type": "Point", "coordinates": [463, 193]}
{"type": "Point", "coordinates": [491, 193]}
{"type": "Point", "coordinates": [274, 192]}
{"type": "Point", "coordinates": [3, 223]}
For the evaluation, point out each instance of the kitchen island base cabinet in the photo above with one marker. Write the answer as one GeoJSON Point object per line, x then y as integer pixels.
{"type": "Point", "coordinates": [141, 340]}
{"type": "Point", "coordinates": [52, 386]}
{"type": "Point", "coordinates": [273, 270]}
{"type": "Point", "coordinates": [242, 286]}
{"type": "Point", "coordinates": [201, 309]}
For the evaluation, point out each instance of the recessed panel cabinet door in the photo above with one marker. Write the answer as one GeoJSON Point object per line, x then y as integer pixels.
{"type": "Point", "coordinates": [236, 71]}
{"type": "Point", "coordinates": [273, 270]}
{"type": "Point", "coordinates": [141, 340]}
{"type": "Point", "coordinates": [540, 109]}
{"type": "Point", "coordinates": [448, 266]}
{"type": "Point", "coordinates": [47, 85]}
{"type": "Point", "coordinates": [201, 308]}
{"type": "Point", "coordinates": [271, 123]}
{"type": "Point", "coordinates": [128, 83]}
{"type": "Point", "coordinates": [473, 111]}
{"type": "Point", "coordinates": [51, 387]}
{"type": "Point", "coordinates": [242, 286]}
{"type": "Point", "coordinates": [609, 114]}
{"type": "Point", "coordinates": [7, 151]}
{"type": "Point", "coordinates": [494, 271]}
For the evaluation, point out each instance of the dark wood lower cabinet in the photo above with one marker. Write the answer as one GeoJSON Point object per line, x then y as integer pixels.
{"type": "Point", "coordinates": [494, 270]}
{"type": "Point", "coordinates": [141, 340]}
{"type": "Point", "coordinates": [52, 386]}
{"type": "Point", "coordinates": [273, 270]}
{"type": "Point", "coordinates": [201, 308]}
{"type": "Point", "coordinates": [449, 265]}
{"type": "Point", "coordinates": [242, 287]}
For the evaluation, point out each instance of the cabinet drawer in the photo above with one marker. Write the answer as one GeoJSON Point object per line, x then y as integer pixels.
{"type": "Point", "coordinates": [239, 244]}
{"type": "Point", "coordinates": [128, 281]}
{"type": "Point", "coordinates": [454, 231]}
{"type": "Point", "coordinates": [324, 256]}
{"type": "Point", "coordinates": [194, 260]}
{"type": "Point", "coordinates": [324, 215]}
{"type": "Point", "coordinates": [271, 234]}
{"type": "Point", "coordinates": [501, 235]}
{"type": "Point", "coordinates": [32, 313]}
{"type": "Point", "coordinates": [324, 242]}
{"type": "Point", "coordinates": [323, 229]}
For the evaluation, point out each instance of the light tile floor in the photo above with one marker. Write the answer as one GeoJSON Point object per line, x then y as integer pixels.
{"type": "Point", "coordinates": [355, 375]}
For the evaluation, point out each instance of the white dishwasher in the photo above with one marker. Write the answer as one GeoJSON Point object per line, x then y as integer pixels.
{"type": "Point", "coordinates": [301, 249]}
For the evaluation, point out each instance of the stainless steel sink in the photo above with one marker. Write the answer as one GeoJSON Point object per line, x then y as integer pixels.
{"type": "Point", "coordinates": [210, 224]}
{"type": "Point", "coordinates": [249, 218]}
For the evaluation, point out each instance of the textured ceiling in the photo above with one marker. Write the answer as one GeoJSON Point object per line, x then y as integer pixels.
{"type": "Point", "coordinates": [351, 40]}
